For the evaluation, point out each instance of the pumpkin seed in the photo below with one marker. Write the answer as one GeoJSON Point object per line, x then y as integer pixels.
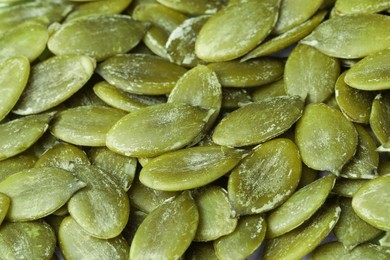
{"type": "Point", "coordinates": [273, 89]}
{"type": "Point", "coordinates": [385, 240]}
{"type": "Point", "coordinates": [38, 192]}
{"type": "Point", "coordinates": [236, 29]}
{"type": "Point", "coordinates": [200, 251]}
{"type": "Point", "coordinates": [85, 97]}
{"type": "Point", "coordinates": [233, 98]}
{"type": "Point", "coordinates": [174, 222]}
{"type": "Point", "coordinates": [379, 117]}
{"type": "Point", "coordinates": [195, 7]}
{"type": "Point", "coordinates": [155, 39]}
{"type": "Point", "coordinates": [371, 203]}
{"type": "Point", "coordinates": [135, 219]}
{"type": "Point", "coordinates": [348, 187]}
{"type": "Point", "coordinates": [5, 202]}
{"type": "Point", "coordinates": [154, 130]}
{"type": "Point", "coordinates": [325, 146]}
{"type": "Point", "coordinates": [372, 37]}
{"type": "Point", "coordinates": [14, 74]}
{"type": "Point", "coordinates": [308, 176]}
{"type": "Point", "coordinates": [383, 167]}
{"type": "Point", "coordinates": [346, 7]}
{"type": "Point", "coordinates": [93, 36]}
{"type": "Point", "coordinates": [250, 229]}
{"type": "Point", "coordinates": [99, 7]}
{"type": "Point", "coordinates": [258, 122]}
{"type": "Point", "coordinates": [141, 73]}
{"type": "Point", "coordinates": [68, 73]}
{"type": "Point", "coordinates": [27, 240]}
{"type": "Point", "coordinates": [63, 211]}
{"type": "Point", "coordinates": [310, 74]}
{"type": "Point", "coordinates": [16, 164]}
{"type": "Point", "coordinates": [102, 208]}
{"type": "Point", "coordinates": [75, 243]}
{"type": "Point", "coordinates": [299, 207]}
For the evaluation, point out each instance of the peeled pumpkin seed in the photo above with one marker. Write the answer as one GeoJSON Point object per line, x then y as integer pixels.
{"type": "Point", "coordinates": [310, 74]}
{"type": "Point", "coordinates": [308, 176]}
{"type": "Point", "coordinates": [194, 7]}
{"type": "Point", "coordinates": [348, 187]}
{"type": "Point", "coordinates": [93, 36]}
{"type": "Point", "coordinates": [379, 117]}
{"type": "Point", "coordinates": [373, 36]}
{"type": "Point", "coordinates": [200, 251]}
{"type": "Point", "coordinates": [371, 202]}
{"type": "Point", "coordinates": [233, 98]}
{"type": "Point", "coordinates": [18, 135]}
{"type": "Point", "coordinates": [75, 243]}
{"type": "Point", "coordinates": [346, 7]}
{"type": "Point", "coordinates": [299, 207]}
{"type": "Point", "coordinates": [251, 73]}
{"type": "Point", "coordinates": [16, 164]}
{"type": "Point", "coordinates": [102, 208]}
{"type": "Point", "coordinates": [135, 219]}
{"type": "Point", "coordinates": [265, 178]}
{"type": "Point", "coordinates": [385, 240]}
{"type": "Point", "coordinates": [141, 73]}
{"type": "Point", "coordinates": [14, 73]}
{"type": "Point", "coordinates": [383, 167]}
{"type": "Point", "coordinates": [86, 125]}
{"type": "Point", "coordinates": [27, 240]}
{"type": "Point", "coordinates": [68, 73]}
{"type": "Point", "coordinates": [352, 230]}
{"type": "Point", "coordinates": [63, 211]}
{"type": "Point", "coordinates": [154, 130]}
{"type": "Point", "coordinates": [99, 7]}
{"type": "Point", "coordinates": [258, 122]}
{"type": "Point", "coordinates": [174, 222]}
{"type": "Point", "coordinates": [5, 202]}
{"type": "Point", "coordinates": [310, 234]}
{"type": "Point", "coordinates": [245, 239]}
{"type": "Point", "coordinates": [214, 214]}
{"type": "Point", "coordinates": [325, 146]}
{"type": "Point", "coordinates": [155, 39]}
{"type": "Point", "coordinates": [84, 97]}
{"type": "Point", "coordinates": [236, 29]}
{"type": "Point", "coordinates": [189, 168]}
{"type": "Point", "coordinates": [273, 89]}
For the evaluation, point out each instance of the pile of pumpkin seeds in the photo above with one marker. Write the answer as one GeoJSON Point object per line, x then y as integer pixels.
{"type": "Point", "coordinates": [173, 129]}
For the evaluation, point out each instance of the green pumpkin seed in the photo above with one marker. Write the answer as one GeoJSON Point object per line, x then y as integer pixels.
{"type": "Point", "coordinates": [214, 214]}
{"type": "Point", "coordinates": [86, 125]}
{"type": "Point", "coordinates": [201, 251]}
{"type": "Point", "coordinates": [123, 168]}
{"type": "Point", "coordinates": [345, 7]}
{"type": "Point", "coordinates": [373, 36]}
{"type": "Point", "coordinates": [63, 211]}
{"type": "Point", "coordinates": [16, 164]}
{"type": "Point", "coordinates": [135, 220]}
{"type": "Point", "coordinates": [300, 241]}
{"type": "Point", "coordinates": [38, 192]}
{"type": "Point", "coordinates": [27, 240]}
{"type": "Point", "coordinates": [379, 117]}
{"type": "Point", "coordinates": [273, 89]}
{"type": "Point", "coordinates": [102, 208]}
{"type": "Point", "coordinates": [308, 176]}
{"type": "Point", "coordinates": [371, 202]}
{"type": "Point", "coordinates": [236, 29]}
{"type": "Point", "coordinates": [385, 240]}
{"type": "Point", "coordinates": [250, 229]}
{"type": "Point", "coordinates": [18, 135]}
{"type": "Point", "coordinates": [99, 7]}
{"type": "Point", "coordinates": [14, 74]}
{"type": "Point", "coordinates": [75, 243]}
{"type": "Point", "coordinates": [154, 130]}
{"type": "Point", "coordinates": [189, 168]}
{"type": "Point", "coordinates": [352, 230]}
{"type": "Point", "coordinates": [93, 36]}
{"type": "Point", "coordinates": [383, 168]}
{"type": "Point", "coordinates": [5, 202]}
{"type": "Point", "coordinates": [85, 97]}
{"type": "Point", "coordinates": [370, 73]}
{"type": "Point", "coordinates": [364, 163]}
{"type": "Point", "coordinates": [68, 73]}
{"type": "Point", "coordinates": [310, 74]}
{"type": "Point", "coordinates": [325, 146]}
{"type": "Point", "coordinates": [233, 98]}
{"type": "Point", "coordinates": [258, 122]}
{"type": "Point", "coordinates": [336, 251]}
{"type": "Point", "coordinates": [155, 39]}
{"type": "Point", "coordinates": [299, 207]}
{"type": "Point", "coordinates": [354, 103]}
{"type": "Point", "coordinates": [141, 74]}
{"type": "Point", "coordinates": [348, 187]}
{"type": "Point", "coordinates": [174, 223]}
{"type": "Point", "coordinates": [251, 73]}
{"type": "Point", "coordinates": [194, 7]}
{"type": "Point", "coordinates": [27, 39]}
{"type": "Point", "coordinates": [266, 178]}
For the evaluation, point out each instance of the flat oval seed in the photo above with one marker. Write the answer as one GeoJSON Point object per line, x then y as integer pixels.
{"type": "Point", "coordinates": [155, 39]}
{"type": "Point", "coordinates": [38, 192]}
{"type": "Point", "coordinates": [86, 125]}
{"type": "Point", "coordinates": [135, 219]}
{"type": "Point", "coordinates": [258, 122]}
{"type": "Point", "coordinates": [75, 243]}
{"type": "Point", "coordinates": [31, 128]}
{"type": "Point", "coordinates": [16, 164]}
{"type": "Point", "coordinates": [373, 36]}
{"type": "Point", "coordinates": [273, 89]}
{"type": "Point", "coordinates": [345, 7]}
{"type": "Point", "coordinates": [233, 98]}
{"type": "Point", "coordinates": [200, 251]}
{"type": "Point", "coordinates": [53, 81]}
{"type": "Point", "coordinates": [14, 73]}
{"type": "Point", "coordinates": [102, 208]}
{"type": "Point", "coordinates": [371, 203]}
{"type": "Point", "coordinates": [299, 207]}
{"type": "Point", "coordinates": [236, 29]}
{"type": "Point", "coordinates": [27, 240]}
{"type": "Point", "coordinates": [379, 117]}
{"type": "Point", "coordinates": [326, 139]}
{"type": "Point", "coordinates": [371, 72]}
{"type": "Point", "coordinates": [250, 229]}
{"type": "Point", "coordinates": [310, 74]}
{"type": "Point", "coordinates": [154, 130]}
{"type": "Point", "coordinates": [266, 178]}
{"type": "Point", "coordinates": [174, 224]}
{"type": "Point", "coordinates": [141, 73]}
{"type": "Point", "coordinates": [99, 7]}
{"type": "Point", "coordinates": [189, 168]}
{"type": "Point", "coordinates": [93, 36]}
{"type": "Point", "coordinates": [251, 73]}
{"type": "Point", "coordinates": [194, 7]}
{"type": "Point", "coordinates": [5, 202]}
{"type": "Point", "coordinates": [348, 187]}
